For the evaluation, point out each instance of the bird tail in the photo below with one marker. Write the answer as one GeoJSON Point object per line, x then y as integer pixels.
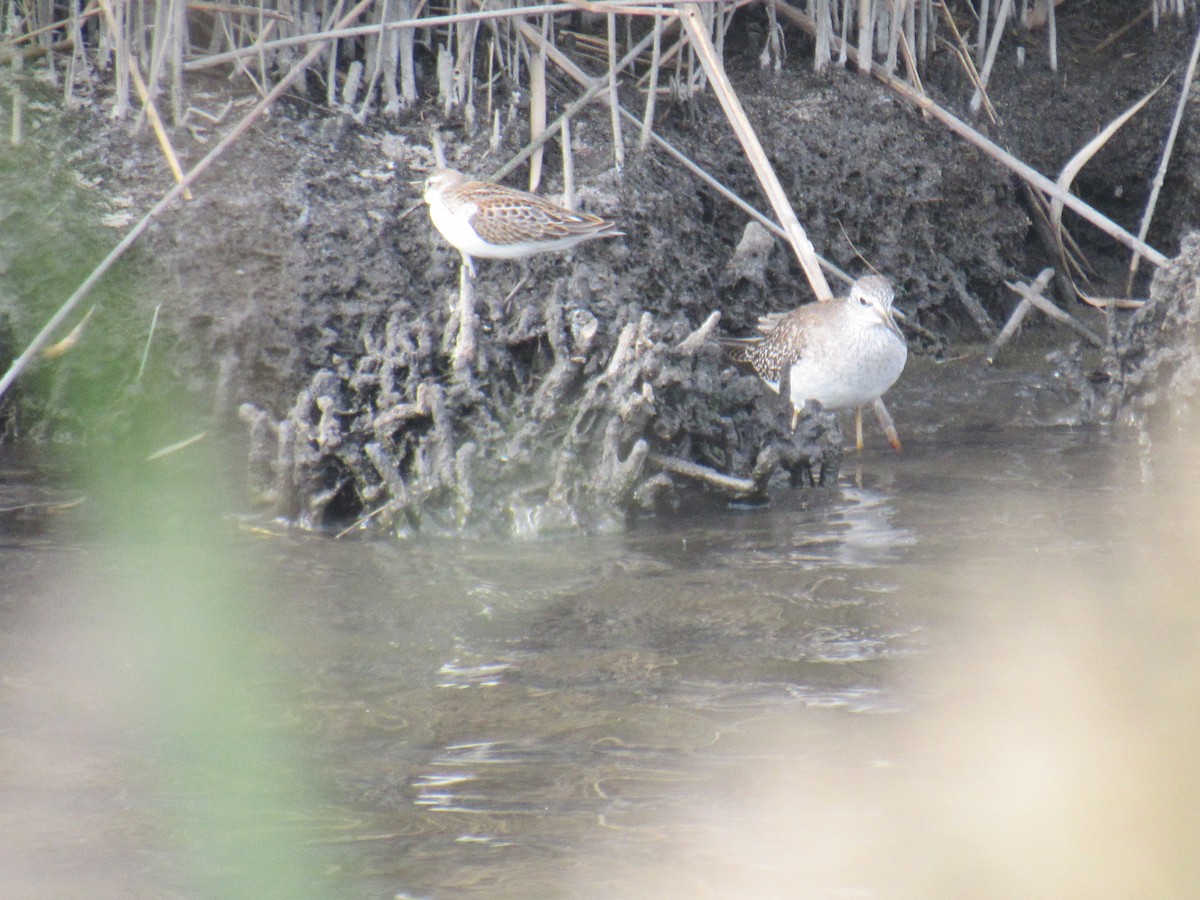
{"type": "Point", "coordinates": [738, 349]}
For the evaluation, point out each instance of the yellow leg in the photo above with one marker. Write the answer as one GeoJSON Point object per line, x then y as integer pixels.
{"type": "Point", "coordinates": [858, 439]}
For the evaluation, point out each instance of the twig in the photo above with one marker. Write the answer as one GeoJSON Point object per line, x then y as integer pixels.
{"type": "Point", "coordinates": [149, 337]}
{"type": "Point", "coordinates": [652, 90]}
{"type": "Point", "coordinates": [614, 102]}
{"type": "Point", "coordinates": [694, 341]}
{"type": "Point", "coordinates": [1009, 329]}
{"type": "Point", "coordinates": [1161, 173]}
{"type": "Point", "coordinates": [885, 422]}
{"type": "Point", "coordinates": [1035, 297]}
{"type": "Point", "coordinates": [688, 469]}
{"type": "Point", "coordinates": [170, 197]}
{"type": "Point", "coordinates": [176, 447]}
{"type": "Point", "coordinates": [1120, 32]}
{"type": "Point", "coordinates": [985, 72]}
{"type": "Point", "coordinates": [1018, 316]}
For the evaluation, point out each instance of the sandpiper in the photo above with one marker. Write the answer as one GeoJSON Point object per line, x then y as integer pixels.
{"type": "Point", "coordinates": [492, 221]}
{"type": "Point", "coordinates": [844, 353]}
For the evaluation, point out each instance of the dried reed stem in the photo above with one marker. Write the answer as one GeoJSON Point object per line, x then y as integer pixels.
{"type": "Point", "coordinates": [160, 133]}
{"type": "Point", "coordinates": [999, 154]}
{"type": "Point", "coordinates": [754, 152]}
{"type": "Point", "coordinates": [614, 102]}
{"type": "Point", "coordinates": [323, 37]}
{"type": "Point", "coordinates": [1168, 148]}
{"type": "Point", "coordinates": [1081, 158]}
{"type": "Point", "coordinates": [1034, 296]}
{"type": "Point", "coordinates": [1018, 316]}
{"type": "Point", "coordinates": [593, 88]}
{"type": "Point", "coordinates": [537, 105]}
{"type": "Point", "coordinates": [733, 484]}
{"type": "Point", "coordinates": [652, 90]}
{"type": "Point", "coordinates": [170, 197]}
{"type": "Point", "coordinates": [986, 71]}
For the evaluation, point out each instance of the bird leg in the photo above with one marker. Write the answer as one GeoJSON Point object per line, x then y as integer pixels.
{"type": "Point", "coordinates": [468, 264]}
{"type": "Point", "coordinates": [885, 422]}
{"type": "Point", "coordinates": [524, 268]}
{"type": "Point", "coordinates": [858, 438]}
{"type": "Point", "coordinates": [468, 323]}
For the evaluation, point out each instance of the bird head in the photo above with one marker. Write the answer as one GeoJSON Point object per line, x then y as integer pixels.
{"type": "Point", "coordinates": [871, 297]}
{"type": "Point", "coordinates": [439, 180]}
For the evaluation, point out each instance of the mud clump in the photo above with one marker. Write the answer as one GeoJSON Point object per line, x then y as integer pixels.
{"type": "Point", "coordinates": [1157, 389]}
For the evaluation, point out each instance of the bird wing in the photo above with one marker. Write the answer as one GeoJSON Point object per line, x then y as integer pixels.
{"type": "Point", "coordinates": [504, 215]}
{"type": "Point", "coordinates": [769, 354]}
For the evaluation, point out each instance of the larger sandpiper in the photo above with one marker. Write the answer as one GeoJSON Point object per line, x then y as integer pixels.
{"type": "Point", "coordinates": [842, 354]}
{"type": "Point", "coordinates": [492, 221]}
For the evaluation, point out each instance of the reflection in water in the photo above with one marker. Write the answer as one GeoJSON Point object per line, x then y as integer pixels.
{"type": "Point", "coordinates": [968, 671]}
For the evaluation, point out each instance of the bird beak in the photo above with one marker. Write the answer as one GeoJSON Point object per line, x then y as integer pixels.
{"type": "Point", "coordinates": [890, 321]}
{"type": "Point", "coordinates": [416, 184]}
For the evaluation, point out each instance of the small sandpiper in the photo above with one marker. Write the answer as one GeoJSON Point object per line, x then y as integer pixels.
{"type": "Point", "coordinates": [844, 353]}
{"type": "Point", "coordinates": [492, 221]}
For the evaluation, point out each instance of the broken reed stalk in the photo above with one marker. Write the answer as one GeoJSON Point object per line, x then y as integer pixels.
{"type": "Point", "coordinates": [614, 101]}
{"type": "Point", "coordinates": [753, 149]}
{"type": "Point", "coordinates": [985, 12]}
{"type": "Point", "coordinates": [144, 94]}
{"type": "Point", "coordinates": [594, 86]}
{"type": "Point", "coordinates": [652, 89]}
{"type": "Point", "coordinates": [537, 105]}
{"type": "Point", "coordinates": [1026, 172]}
{"type": "Point", "coordinates": [593, 89]}
{"type": "Point", "coordinates": [866, 27]}
{"type": "Point", "coordinates": [322, 37]}
{"type": "Point", "coordinates": [468, 326]}
{"type": "Point", "coordinates": [1018, 316]}
{"type": "Point", "coordinates": [985, 72]}
{"type": "Point", "coordinates": [1052, 36]}
{"type": "Point", "coordinates": [568, 166]}
{"type": "Point", "coordinates": [1161, 172]}
{"type": "Point", "coordinates": [170, 197]}
{"type": "Point", "coordinates": [1035, 297]}
{"type": "Point", "coordinates": [1076, 163]}
{"type": "Point", "coordinates": [688, 469]}
{"type": "Point", "coordinates": [964, 57]}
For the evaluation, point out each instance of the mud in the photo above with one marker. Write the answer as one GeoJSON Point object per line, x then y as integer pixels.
{"type": "Point", "coordinates": [306, 297]}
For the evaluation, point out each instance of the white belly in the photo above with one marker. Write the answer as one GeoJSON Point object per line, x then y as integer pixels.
{"type": "Point", "coordinates": [456, 228]}
{"type": "Point", "coordinates": [852, 379]}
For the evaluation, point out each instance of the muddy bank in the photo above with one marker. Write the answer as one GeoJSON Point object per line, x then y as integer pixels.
{"type": "Point", "coordinates": [313, 307]}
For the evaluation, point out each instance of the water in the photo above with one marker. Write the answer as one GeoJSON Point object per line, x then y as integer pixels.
{"type": "Point", "coordinates": [947, 672]}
